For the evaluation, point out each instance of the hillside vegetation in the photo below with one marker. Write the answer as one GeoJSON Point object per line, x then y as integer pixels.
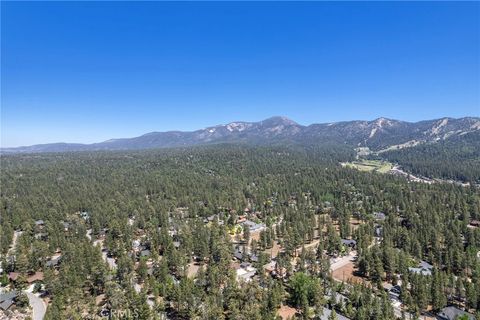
{"type": "Point", "coordinates": [162, 198]}
{"type": "Point", "coordinates": [456, 158]}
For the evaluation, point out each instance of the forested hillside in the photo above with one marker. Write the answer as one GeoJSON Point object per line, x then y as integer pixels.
{"type": "Point", "coordinates": [183, 208]}
{"type": "Point", "coordinates": [456, 158]}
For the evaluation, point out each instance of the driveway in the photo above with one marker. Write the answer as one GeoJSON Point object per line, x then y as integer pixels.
{"type": "Point", "coordinates": [13, 246]}
{"type": "Point", "coordinates": [37, 305]}
{"type": "Point", "coordinates": [340, 262]}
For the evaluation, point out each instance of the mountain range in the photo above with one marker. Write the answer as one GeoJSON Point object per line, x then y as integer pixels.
{"type": "Point", "coordinates": [378, 135]}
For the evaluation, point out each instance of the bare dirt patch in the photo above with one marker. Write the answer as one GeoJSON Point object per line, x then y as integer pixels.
{"type": "Point", "coordinates": [193, 269]}
{"type": "Point", "coordinates": [274, 250]}
{"type": "Point", "coordinates": [346, 274]}
{"type": "Point", "coordinates": [286, 312]}
{"type": "Point", "coordinates": [355, 223]}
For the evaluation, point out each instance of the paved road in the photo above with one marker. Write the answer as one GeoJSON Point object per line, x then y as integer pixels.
{"type": "Point", "coordinates": [37, 305]}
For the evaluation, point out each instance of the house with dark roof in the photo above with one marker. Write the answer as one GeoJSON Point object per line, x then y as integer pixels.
{"type": "Point", "coordinates": [253, 258]}
{"type": "Point", "coordinates": [5, 305]}
{"type": "Point", "coordinates": [7, 299]}
{"type": "Point", "coordinates": [210, 218]}
{"type": "Point", "coordinates": [452, 313]}
{"type": "Point", "coordinates": [424, 268]}
{"type": "Point", "coordinates": [237, 254]}
{"type": "Point", "coordinates": [349, 243]}
{"type": "Point", "coordinates": [53, 262]}
{"type": "Point", "coordinates": [327, 312]}
{"type": "Point", "coordinates": [425, 265]}
{"type": "Point", "coordinates": [393, 291]}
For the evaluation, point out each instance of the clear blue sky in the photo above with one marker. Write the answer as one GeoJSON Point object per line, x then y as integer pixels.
{"type": "Point", "coordinates": [90, 71]}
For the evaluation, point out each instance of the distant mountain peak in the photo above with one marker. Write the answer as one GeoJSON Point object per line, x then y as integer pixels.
{"type": "Point", "coordinates": [280, 120]}
{"type": "Point", "coordinates": [378, 134]}
{"type": "Point", "coordinates": [382, 122]}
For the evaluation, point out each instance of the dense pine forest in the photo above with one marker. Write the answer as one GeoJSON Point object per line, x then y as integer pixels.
{"type": "Point", "coordinates": [457, 158]}
{"type": "Point", "coordinates": [80, 219]}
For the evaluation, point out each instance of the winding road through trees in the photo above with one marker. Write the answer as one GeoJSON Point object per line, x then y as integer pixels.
{"type": "Point", "coordinates": [38, 306]}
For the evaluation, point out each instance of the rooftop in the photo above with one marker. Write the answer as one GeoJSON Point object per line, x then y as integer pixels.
{"type": "Point", "coordinates": [253, 226]}
{"type": "Point", "coordinates": [424, 268]}
{"type": "Point", "coordinates": [451, 313]}
{"type": "Point", "coordinates": [8, 295]}
{"type": "Point", "coordinates": [349, 242]}
{"type": "Point", "coordinates": [327, 312]}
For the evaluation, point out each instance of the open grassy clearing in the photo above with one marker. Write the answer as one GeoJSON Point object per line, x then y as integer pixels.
{"type": "Point", "coordinates": [369, 165]}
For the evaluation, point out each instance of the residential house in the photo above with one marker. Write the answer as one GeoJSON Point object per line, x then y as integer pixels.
{"type": "Point", "coordinates": [393, 291]}
{"type": "Point", "coordinates": [423, 268]}
{"type": "Point", "coordinates": [349, 243]}
{"type": "Point", "coordinates": [53, 262]}
{"type": "Point", "coordinates": [39, 223]}
{"type": "Point", "coordinates": [238, 254]}
{"type": "Point", "coordinates": [253, 258]}
{"type": "Point", "coordinates": [7, 299]}
{"type": "Point", "coordinates": [245, 272]}
{"type": "Point", "coordinates": [452, 313]}
{"type": "Point", "coordinates": [209, 218]}
{"type": "Point", "coordinates": [31, 278]}
{"type": "Point", "coordinates": [327, 312]}
{"type": "Point", "coordinates": [253, 226]}
{"type": "Point", "coordinates": [35, 277]}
